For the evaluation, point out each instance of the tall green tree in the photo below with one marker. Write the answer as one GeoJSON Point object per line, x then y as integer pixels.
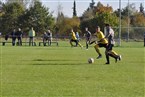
{"type": "Point", "coordinates": [142, 8]}
{"type": "Point", "coordinates": [89, 13]}
{"type": "Point", "coordinates": [38, 17]}
{"type": "Point", "coordinates": [129, 10]}
{"type": "Point", "coordinates": [92, 4]}
{"type": "Point", "coordinates": [24, 3]}
{"type": "Point", "coordinates": [74, 9]}
{"type": "Point", "coordinates": [1, 11]}
{"type": "Point", "coordinates": [11, 13]}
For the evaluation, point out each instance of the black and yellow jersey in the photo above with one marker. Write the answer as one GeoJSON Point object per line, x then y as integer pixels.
{"type": "Point", "coordinates": [101, 38]}
{"type": "Point", "coordinates": [73, 36]}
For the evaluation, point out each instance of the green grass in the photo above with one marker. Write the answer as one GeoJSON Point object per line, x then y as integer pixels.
{"type": "Point", "coordinates": [64, 72]}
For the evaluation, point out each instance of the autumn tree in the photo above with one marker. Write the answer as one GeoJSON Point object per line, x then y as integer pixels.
{"type": "Point", "coordinates": [102, 14]}
{"type": "Point", "coordinates": [138, 20]}
{"type": "Point", "coordinates": [67, 24]}
{"type": "Point", "coordinates": [100, 8]}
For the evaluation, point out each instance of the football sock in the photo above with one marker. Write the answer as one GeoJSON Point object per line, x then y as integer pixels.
{"type": "Point", "coordinates": [97, 49]}
{"type": "Point", "coordinates": [113, 54]}
{"type": "Point", "coordinates": [80, 45]}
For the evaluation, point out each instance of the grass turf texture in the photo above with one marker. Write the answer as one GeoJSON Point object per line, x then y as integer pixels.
{"type": "Point", "coordinates": [64, 72]}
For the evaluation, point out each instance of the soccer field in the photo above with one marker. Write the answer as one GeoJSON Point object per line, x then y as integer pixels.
{"type": "Point", "coordinates": [64, 72]}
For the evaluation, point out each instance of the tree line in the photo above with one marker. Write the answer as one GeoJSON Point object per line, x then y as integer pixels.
{"type": "Point", "coordinates": [16, 14]}
{"type": "Point", "coordinates": [32, 13]}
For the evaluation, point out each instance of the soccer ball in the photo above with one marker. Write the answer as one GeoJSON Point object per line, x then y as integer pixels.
{"type": "Point", "coordinates": [90, 60]}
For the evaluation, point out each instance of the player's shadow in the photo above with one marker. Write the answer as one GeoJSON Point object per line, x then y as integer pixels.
{"type": "Point", "coordinates": [54, 60]}
{"type": "Point", "coordinates": [57, 62]}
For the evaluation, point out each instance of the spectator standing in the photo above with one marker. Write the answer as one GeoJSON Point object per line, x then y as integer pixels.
{"type": "Point", "coordinates": [13, 35]}
{"type": "Point", "coordinates": [19, 36]}
{"type": "Point", "coordinates": [45, 38]}
{"type": "Point", "coordinates": [49, 33]}
{"type": "Point", "coordinates": [7, 37]}
{"type": "Point", "coordinates": [31, 36]}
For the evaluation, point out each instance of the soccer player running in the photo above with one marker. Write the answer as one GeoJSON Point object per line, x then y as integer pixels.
{"type": "Point", "coordinates": [88, 37]}
{"type": "Point", "coordinates": [102, 41]}
{"type": "Point", "coordinates": [111, 42]}
{"type": "Point", "coordinates": [74, 39]}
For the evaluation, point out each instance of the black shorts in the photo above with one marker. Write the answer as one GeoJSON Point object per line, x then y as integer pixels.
{"type": "Point", "coordinates": [102, 45]}
{"type": "Point", "coordinates": [88, 38]}
{"type": "Point", "coordinates": [110, 47]}
{"type": "Point", "coordinates": [74, 40]}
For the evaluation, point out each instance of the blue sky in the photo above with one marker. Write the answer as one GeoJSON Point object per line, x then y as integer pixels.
{"type": "Point", "coordinates": [82, 5]}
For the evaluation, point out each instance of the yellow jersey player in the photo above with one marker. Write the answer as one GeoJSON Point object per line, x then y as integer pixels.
{"type": "Point", "coordinates": [74, 39]}
{"type": "Point", "coordinates": [101, 42]}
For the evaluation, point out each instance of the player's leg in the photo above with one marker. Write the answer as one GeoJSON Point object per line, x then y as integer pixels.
{"type": "Point", "coordinates": [86, 44]}
{"type": "Point", "coordinates": [44, 41]}
{"type": "Point", "coordinates": [21, 41]}
{"type": "Point", "coordinates": [98, 51]}
{"type": "Point", "coordinates": [107, 57]}
{"type": "Point", "coordinates": [92, 42]}
{"type": "Point", "coordinates": [113, 54]}
{"type": "Point", "coordinates": [13, 41]}
{"type": "Point", "coordinates": [29, 41]}
{"type": "Point", "coordinates": [79, 43]}
{"type": "Point", "coordinates": [71, 42]}
{"type": "Point", "coordinates": [50, 41]}
{"type": "Point", "coordinates": [32, 41]}
{"type": "Point", "coordinates": [76, 41]}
